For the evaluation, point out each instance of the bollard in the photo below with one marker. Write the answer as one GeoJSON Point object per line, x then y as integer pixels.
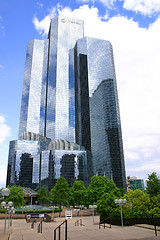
{"type": "Point", "coordinates": [66, 231]}
{"type": "Point", "coordinates": [32, 225]}
{"type": "Point", "coordinates": [39, 230]}
{"type": "Point", "coordinates": [155, 230]}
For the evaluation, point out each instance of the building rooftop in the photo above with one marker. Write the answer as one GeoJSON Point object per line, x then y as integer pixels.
{"type": "Point", "coordinates": [28, 192]}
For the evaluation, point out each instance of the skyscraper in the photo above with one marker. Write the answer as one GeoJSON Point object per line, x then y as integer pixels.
{"type": "Point", "coordinates": [69, 108]}
{"type": "Point", "coordinates": [98, 124]}
{"type": "Point", "coordinates": [47, 106]}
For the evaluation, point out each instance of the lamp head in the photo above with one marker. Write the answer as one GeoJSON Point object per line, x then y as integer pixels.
{"type": "Point", "coordinates": [3, 204]}
{"type": "Point", "coordinates": [5, 192]}
{"type": "Point", "coordinates": [10, 204]}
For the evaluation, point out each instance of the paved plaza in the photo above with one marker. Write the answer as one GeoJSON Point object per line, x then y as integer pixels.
{"type": "Point", "coordinates": [21, 230]}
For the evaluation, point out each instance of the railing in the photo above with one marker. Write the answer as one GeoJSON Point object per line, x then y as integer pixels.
{"type": "Point", "coordinates": [151, 228]}
{"type": "Point", "coordinates": [79, 222]}
{"type": "Point", "coordinates": [138, 222]}
{"type": "Point", "coordinates": [103, 222]}
{"type": "Point", "coordinates": [59, 231]}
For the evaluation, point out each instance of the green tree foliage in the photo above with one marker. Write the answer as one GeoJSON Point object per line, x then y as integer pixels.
{"type": "Point", "coordinates": [100, 185]}
{"type": "Point", "coordinates": [42, 195]}
{"type": "Point", "coordinates": [78, 193]}
{"type": "Point", "coordinates": [106, 205]}
{"type": "Point", "coordinates": [16, 196]}
{"type": "Point", "coordinates": [155, 206]}
{"type": "Point", "coordinates": [138, 204]}
{"type": "Point", "coordinates": [59, 194]}
{"type": "Point", "coordinates": [153, 184]}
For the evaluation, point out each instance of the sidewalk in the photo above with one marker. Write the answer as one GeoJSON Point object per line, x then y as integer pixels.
{"type": "Point", "coordinates": [22, 231]}
{"type": "Point", "coordinates": [4, 236]}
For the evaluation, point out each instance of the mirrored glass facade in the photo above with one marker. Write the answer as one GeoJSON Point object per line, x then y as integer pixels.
{"type": "Point", "coordinates": [71, 164]}
{"type": "Point", "coordinates": [32, 114]}
{"type": "Point", "coordinates": [48, 105]}
{"type": "Point", "coordinates": [63, 34]}
{"type": "Point", "coordinates": [24, 162]}
{"type": "Point", "coordinates": [69, 119]}
{"type": "Point", "coordinates": [107, 148]}
{"type": "Point", "coordinates": [97, 109]}
{"type": "Point", "coordinates": [31, 166]}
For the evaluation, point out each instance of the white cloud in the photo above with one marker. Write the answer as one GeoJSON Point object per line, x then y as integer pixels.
{"type": "Point", "coordinates": [4, 133]}
{"type": "Point", "coordinates": [3, 179]}
{"type": "Point", "coordinates": [4, 130]}
{"type": "Point", "coordinates": [1, 67]}
{"type": "Point", "coordinates": [108, 3]}
{"type": "Point", "coordinates": [85, 1]}
{"type": "Point", "coordinates": [146, 7]}
{"type": "Point", "coordinates": [3, 164]}
{"type": "Point", "coordinates": [43, 26]}
{"type": "Point", "coordinates": [137, 57]}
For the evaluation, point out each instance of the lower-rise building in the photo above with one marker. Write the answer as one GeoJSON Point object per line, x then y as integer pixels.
{"type": "Point", "coordinates": [33, 164]}
{"type": "Point", "coordinates": [135, 183]}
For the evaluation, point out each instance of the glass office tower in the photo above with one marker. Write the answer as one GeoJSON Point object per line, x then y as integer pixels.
{"type": "Point", "coordinates": [69, 97]}
{"type": "Point", "coordinates": [47, 106]}
{"type": "Point", "coordinates": [97, 108]}
{"type": "Point", "coordinates": [63, 34]}
{"type": "Point", "coordinates": [32, 114]}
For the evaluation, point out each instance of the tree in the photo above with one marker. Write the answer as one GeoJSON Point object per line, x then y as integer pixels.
{"type": "Point", "coordinates": [153, 184]}
{"type": "Point", "coordinates": [16, 196]}
{"type": "Point", "coordinates": [78, 193]}
{"type": "Point", "coordinates": [59, 194]}
{"type": "Point", "coordinates": [138, 204]}
{"type": "Point", "coordinates": [155, 206]}
{"type": "Point", "coordinates": [106, 205]}
{"type": "Point", "coordinates": [42, 195]}
{"type": "Point", "coordinates": [100, 185]}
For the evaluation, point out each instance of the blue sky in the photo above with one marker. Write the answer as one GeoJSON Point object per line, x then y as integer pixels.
{"type": "Point", "coordinates": [132, 26]}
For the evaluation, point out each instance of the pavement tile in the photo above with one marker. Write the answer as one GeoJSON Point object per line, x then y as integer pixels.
{"type": "Point", "coordinates": [23, 231]}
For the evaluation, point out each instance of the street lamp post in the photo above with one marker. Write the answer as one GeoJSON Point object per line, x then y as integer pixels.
{"type": "Point", "coordinates": [12, 211]}
{"type": "Point", "coordinates": [53, 207]}
{"type": "Point", "coordinates": [5, 193]}
{"type": "Point", "coordinates": [81, 206]}
{"type": "Point", "coordinates": [120, 202]}
{"type": "Point", "coordinates": [53, 212]}
{"type": "Point", "coordinates": [77, 211]}
{"type": "Point", "coordinates": [9, 206]}
{"type": "Point", "coordinates": [3, 205]}
{"type": "Point", "coordinates": [93, 207]}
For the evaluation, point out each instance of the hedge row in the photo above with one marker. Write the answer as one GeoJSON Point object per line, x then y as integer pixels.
{"type": "Point", "coordinates": [36, 211]}
{"type": "Point", "coordinates": [2, 210]}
